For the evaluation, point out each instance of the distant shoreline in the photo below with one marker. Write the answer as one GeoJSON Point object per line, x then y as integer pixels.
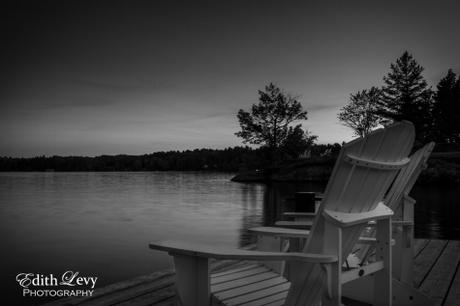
{"type": "Point", "coordinates": [443, 167]}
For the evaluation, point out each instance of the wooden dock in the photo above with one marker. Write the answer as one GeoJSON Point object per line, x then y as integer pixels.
{"type": "Point", "coordinates": [436, 274]}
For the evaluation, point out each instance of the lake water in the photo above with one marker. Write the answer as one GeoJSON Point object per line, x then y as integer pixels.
{"type": "Point", "coordinates": [100, 223]}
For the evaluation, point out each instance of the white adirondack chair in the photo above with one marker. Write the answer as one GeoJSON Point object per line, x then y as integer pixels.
{"type": "Point", "coordinates": [363, 172]}
{"type": "Point", "coordinates": [397, 199]}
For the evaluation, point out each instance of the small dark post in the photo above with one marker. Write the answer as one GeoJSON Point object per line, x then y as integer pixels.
{"type": "Point", "coordinates": [305, 201]}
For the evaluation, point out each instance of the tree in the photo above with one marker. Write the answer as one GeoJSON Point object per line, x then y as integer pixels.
{"type": "Point", "coordinates": [360, 114]}
{"type": "Point", "coordinates": [269, 123]}
{"type": "Point", "coordinates": [446, 110]}
{"type": "Point", "coordinates": [297, 141]}
{"type": "Point", "coordinates": [406, 95]}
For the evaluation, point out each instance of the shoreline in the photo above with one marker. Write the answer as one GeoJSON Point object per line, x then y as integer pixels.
{"type": "Point", "coordinates": [443, 169]}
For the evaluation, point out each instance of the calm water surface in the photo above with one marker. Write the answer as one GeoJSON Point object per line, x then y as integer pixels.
{"type": "Point", "coordinates": [100, 223]}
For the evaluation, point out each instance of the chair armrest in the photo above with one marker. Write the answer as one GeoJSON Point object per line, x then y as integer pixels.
{"type": "Point", "coordinates": [207, 251]}
{"type": "Point", "coordinates": [295, 233]}
{"type": "Point", "coordinates": [349, 219]}
{"type": "Point", "coordinates": [299, 214]}
{"type": "Point", "coordinates": [393, 222]}
{"type": "Point", "coordinates": [279, 232]}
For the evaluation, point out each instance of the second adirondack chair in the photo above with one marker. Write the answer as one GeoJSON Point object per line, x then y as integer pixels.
{"type": "Point", "coordinates": [363, 172]}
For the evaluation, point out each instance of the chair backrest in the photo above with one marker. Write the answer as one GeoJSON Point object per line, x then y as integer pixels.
{"type": "Point", "coordinates": [364, 170]}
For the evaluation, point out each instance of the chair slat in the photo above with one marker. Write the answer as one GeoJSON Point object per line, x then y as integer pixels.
{"type": "Point", "coordinates": [238, 275]}
{"type": "Point", "coordinates": [243, 282]}
{"type": "Point", "coordinates": [234, 270]}
{"type": "Point", "coordinates": [268, 299]}
{"type": "Point", "coordinates": [228, 294]}
{"type": "Point", "coordinates": [256, 297]}
{"type": "Point", "coordinates": [276, 303]}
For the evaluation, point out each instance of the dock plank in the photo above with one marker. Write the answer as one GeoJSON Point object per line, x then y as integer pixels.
{"type": "Point", "coordinates": [424, 262]}
{"type": "Point", "coordinates": [453, 296]}
{"type": "Point", "coordinates": [113, 288]}
{"type": "Point", "coordinates": [437, 282]}
{"type": "Point", "coordinates": [436, 273]}
{"type": "Point", "coordinates": [419, 245]}
{"type": "Point", "coordinates": [131, 294]}
{"type": "Point", "coordinates": [169, 302]}
{"type": "Point", "coordinates": [151, 298]}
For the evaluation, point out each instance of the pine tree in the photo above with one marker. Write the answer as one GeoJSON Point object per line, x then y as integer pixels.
{"type": "Point", "coordinates": [406, 96]}
{"type": "Point", "coordinates": [446, 110]}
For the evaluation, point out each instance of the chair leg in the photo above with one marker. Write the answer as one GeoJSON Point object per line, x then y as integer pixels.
{"type": "Point", "coordinates": [402, 253]}
{"type": "Point", "coordinates": [407, 252]}
{"type": "Point", "coordinates": [192, 280]}
{"type": "Point", "coordinates": [333, 245]}
{"type": "Point", "coordinates": [383, 291]}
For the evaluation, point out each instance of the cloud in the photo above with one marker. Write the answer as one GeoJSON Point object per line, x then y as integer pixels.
{"type": "Point", "coordinates": [123, 87]}
{"type": "Point", "coordinates": [317, 108]}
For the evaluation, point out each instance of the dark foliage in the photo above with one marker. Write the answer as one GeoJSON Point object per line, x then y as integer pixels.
{"type": "Point", "coordinates": [442, 170]}
{"type": "Point", "coordinates": [446, 110]}
{"type": "Point", "coordinates": [406, 96]}
{"type": "Point", "coordinates": [296, 142]}
{"type": "Point", "coordinates": [268, 122]}
{"type": "Point", "coordinates": [360, 114]}
{"type": "Point", "coordinates": [230, 159]}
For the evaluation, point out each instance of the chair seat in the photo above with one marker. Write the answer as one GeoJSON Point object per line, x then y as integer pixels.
{"type": "Point", "coordinates": [251, 285]}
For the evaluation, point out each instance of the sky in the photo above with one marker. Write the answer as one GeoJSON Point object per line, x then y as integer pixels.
{"type": "Point", "coordinates": [92, 77]}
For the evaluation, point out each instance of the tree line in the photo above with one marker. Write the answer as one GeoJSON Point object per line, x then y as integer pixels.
{"type": "Point", "coordinates": [229, 159]}
{"type": "Point", "coordinates": [273, 122]}
{"type": "Point", "coordinates": [406, 95]}
{"type": "Point", "coordinates": [273, 125]}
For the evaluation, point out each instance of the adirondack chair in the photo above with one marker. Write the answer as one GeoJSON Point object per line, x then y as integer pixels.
{"type": "Point", "coordinates": [397, 199]}
{"type": "Point", "coordinates": [363, 172]}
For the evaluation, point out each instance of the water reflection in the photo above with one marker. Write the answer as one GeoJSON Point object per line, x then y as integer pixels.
{"type": "Point", "coordinates": [437, 213]}
{"type": "Point", "coordinates": [252, 215]}
{"type": "Point", "coordinates": [100, 223]}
